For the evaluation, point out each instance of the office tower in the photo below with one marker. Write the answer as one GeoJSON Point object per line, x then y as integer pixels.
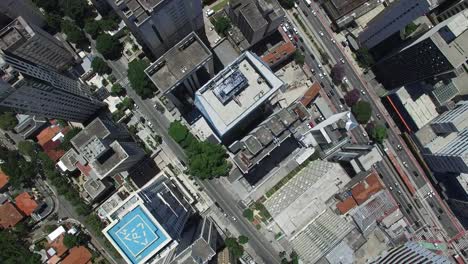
{"type": "Point", "coordinates": [32, 89]}
{"type": "Point", "coordinates": [28, 41]}
{"type": "Point", "coordinates": [448, 9]}
{"type": "Point", "coordinates": [394, 18]}
{"type": "Point", "coordinates": [411, 252]}
{"type": "Point", "coordinates": [445, 143]}
{"type": "Point", "coordinates": [439, 53]}
{"type": "Point", "coordinates": [160, 24]}
{"type": "Point", "coordinates": [255, 18]}
{"type": "Point", "coordinates": [24, 8]}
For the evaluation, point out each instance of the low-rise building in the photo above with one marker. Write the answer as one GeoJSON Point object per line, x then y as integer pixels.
{"type": "Point", "coordinates": [10, 216]}
{"type": "Point", "coordinates": [26, 204]}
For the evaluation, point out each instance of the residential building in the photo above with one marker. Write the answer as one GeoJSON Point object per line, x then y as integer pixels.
{"type": "Point", "coordinates": [279, 54]}
{"type": "Point", "coordinates": [11, 9]}
{"type": "Point", "coordinates": [266, 137]}
{"type": "Point", "coordinates": [448, 9]}
{"type": "Point", "coordinates": [9, 215]}
{"type": "Point", "coordinates": [28, 41]}
{"type": "Point", "coordinates": [408, 252]}
{"type": "Point", "coordinates": [255, 18]}
{"type": "Point", "coordinates": [77, 255]}
{"type": "Point", "coordinates": [26, 203]}
{"type": "Point", "coordinates": [343, 12]}
{"type": "Point", "coordinates": [32, 89]}
{"type": "Point", "coordinates": [237, 95]}
{"type": "Point", "coordinates": [159, 25]}
{"type": "Point", "coordinates": [154, 218]}
{"type": "Point", "coordinates": [410, 108]}
{"type": "Point", "coordinates": [437, 54]}
{"type": "Point", "coordinates": [181, 71]}
{"type": "Point", "coordinates": [394, 18]}
{"type": "Point", "coordinates": [444, 142]}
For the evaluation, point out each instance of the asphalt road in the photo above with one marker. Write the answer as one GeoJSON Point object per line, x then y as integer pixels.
{"type": "Point", "coordinates": [439, 210]}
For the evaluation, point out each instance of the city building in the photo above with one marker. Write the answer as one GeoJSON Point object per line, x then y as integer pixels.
{"type": "Point", "coordinates": [394, 18]}
{"type": "Point", "coordinates": [225, 257]}
{"type": "Point", "coordinates": [279, 54]}
{"type": "Point", "coordinates": [357, 157]}
{"type": "Point", "coordinates": [255, 18]}
{"type": "Point", "coordinates": [28, 126]}
{"type": "Point", "coordinates": [304, 196]}
{"type": "Point", "coordinates": [159, 25]}
{"type": "Point", "coordinates": [410, 108]}
{"type": "Point", "coordinates": [437, 54]}
{"type": "Point", "coordinates": [146, 226]}
{"type": "Point", "coordinates": [329, 135]}
{"type": "Point", "coordinates": [237, 95]}
{"type": "Point", "coordinates": [408, 252]}
{"type": "Point", "coordinates": [35, 90]}
{"type": "Point", "coordinates": [266, 137]}
{"type": "Point", "coordinates": [343, 12]}
{"type": "Point", "coordinates": [11, 9]}
{"type": "Point", "coordinates": [30, 42]}
{"type": "Point", "coordinates": [26, 203]}
{"type": "Point", "coordinates": [447, 10]}
{"type": "Point", "coordinates": [444, 142]}
{"type": "Point", "coordinates": [181, 71]}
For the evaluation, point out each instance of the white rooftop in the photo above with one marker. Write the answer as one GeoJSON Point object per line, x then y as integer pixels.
{"type": "Point", "coordinates": [236, 91]}
{"type": "Point", "coordinates": [422, 111]}
{"type": "Point", "coordinates": [56, 233]}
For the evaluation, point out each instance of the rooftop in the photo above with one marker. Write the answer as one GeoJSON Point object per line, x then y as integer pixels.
{"type": "Point", "coordinates": [279, 53]}
{"type": "Point", "coordinates": [47, 134]}
{"type": "Point", "coordinates": [422, 110]}
{"type": "Point", "coordinates": [25, 203]}
{"type": "Point", "coordinates": [94, 187]}
{"type": "Point", "coordinates": [15, 34]}
{"type": "Point", "coordinates": [78, 255]}
{"type": "Point", "coordinates": [58, 245]}
{"type": "Point", "coordinates": [236, 91]}
{"type": "Point", "coordinates": [346, 205]}
{"type": "Point", "coordinates": [137, 235]}
{"type": "Point", "coordinates": [311, 94]}
{"type": "Point", "coordinates": [365, 189]}
{"type": "Point", "coordinates": [179, 62]}
{"type": "Point", "coordinates": [9, 215]}
{"type": "Point", "coordinates": [3, 179]}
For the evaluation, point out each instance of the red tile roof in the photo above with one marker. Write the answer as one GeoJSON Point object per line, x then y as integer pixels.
{"type": "Point", "coordinates": [310, 95]}
{"type": "Point", "coordinates": [3, 179]}
{"type": "Point", "coordinates": [47, 134]}
{"type": "Point", "coordinates": [78, 255]}
{"type": "Point", "coordinates": [346, 205]}
{"type": "Point", "coordinates": [58, 245]}
{"type": "Point", "coordinates": [9, 215]}
{"type": "Point", "coordinates": [365, 189]}
{"type": "Point", "coordinates": [25, 203]}
{"type": "Point", "coordinates": [280, 53]}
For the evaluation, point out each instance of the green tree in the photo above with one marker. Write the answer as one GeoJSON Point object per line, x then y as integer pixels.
{"type": "Point", "coordinates": [177, 131]}
{"type": "Point", "coordinates": [222, 25]}
{"type": "Point", "coordinates": [74, 33]}
{"type": "Point", "coordinates": [27, 148]}
{"type": "Point", "coordinates": [109, 46]}
{"type": "Point", "coordinates": [337, 73]}
{"type": "Point", "coordinates": [138, 79]}
{"type": "Point", "coordinates": [117, 90]}
{"type": "Point", "coordinates": [287, 4]}
{"type": "Point", "coordinates": [54, 22]}
{"type": "Point", "coordinates": [207, 160]}
{"type": "Point", "coordinates": [8, 121]}
{"type": "Point", "coordinates": [236, 249]}
{"type": "Point", "coordinates": [70, 240]}
{"type": "Point", "coordinates": [50, 6]}
{"type": "Point", "coordinates": [378, 132]}
{"type": "Point", "coordinates": [364, 58]}
{"type": "Point", "coordinates": [14, 249]}
{"type": "Point", "coordinates": [248, 213]}
{"type": "Point", "coordinates": [100, 66]}
{"type": "Point", "coordinates": [94, 223]}
{"type": "Point", "coordinates": [299, 57]}
{"type": "Point", "coordinates": [243, 239]}
{"type": "Point", "coordinates": [109, 24]}
{"type": "Point", "coordinates": [128, 103]}
{"type": "Point", "coordinates": [362, 110]}
{"type": "Point", "coordinates": [75, 9]}
{"type": "Point", "coordinates": [66, 142]}
{"type": "Point", "coordinates": [92, 27]}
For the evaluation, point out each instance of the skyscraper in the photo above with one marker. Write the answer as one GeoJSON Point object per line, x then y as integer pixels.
{"type": "Point", "coordinates": [411, 253]}
{"type": "Point", "coordinates": [30, 42]}
{"type": "Point", "coordinates": [33, 89]}
{"type": "Point", "coordinates": [160, 24]}
{"type": "Point", "coordinates": [439, 53]}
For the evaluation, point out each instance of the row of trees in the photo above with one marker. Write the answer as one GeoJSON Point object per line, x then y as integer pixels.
{"type": "Point", "coordinates": [206, 160]}
{"type": "Point", "coordinates": [235, 245]}
{"type": "Point", "coordinates": [8, 121]}
{"type": "Point", "coordinates": [138, 79]}
{"type": "Point", "coordinates": [14, 248]}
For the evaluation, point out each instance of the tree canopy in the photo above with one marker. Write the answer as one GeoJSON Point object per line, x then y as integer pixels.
{"type": "Point", "coordinates": [352, 97]}
{"type": "Point", "coordinates": [222, 25]}
{"type": "Point", "coordinates": [362, 110]}
{"type": "Point", "coordinates": [378, 132]}
{"type": "Point", "coordinates": [236, 249]}
{"type": "Point", "coordinates": [100, 66]}
{"type": "Point", "coordinates": [109, 46]}
{"type": "Point", "coordinates": [243, 239]}
{"type": "Point", "coordinates": [337, 73]}
{"type": "Point", "coordinates": [364, 58]}
{"type": "Point", "coordinates": [117, 90]}
{"type": "Point", "coordinates": [93, 28]}
{"type": "Point", "coordinates": [299, 58]}
{"type": "Point", "coordinates": [20, 171]}
{"type": "Point", "coordinates": [8, 121]}
{"type": "Point", "coordinates": [75, 9]}
{"type": "Point", "coordinates": [138, 79]}
{"type": "Point", "coordinates": [14, 249]}
{"type": "Point", "coordinates": [74, 33]}
{"type": "Point", "coordinates": [287, 4]}
{"type": "Point", "coordinates": [27, 148]}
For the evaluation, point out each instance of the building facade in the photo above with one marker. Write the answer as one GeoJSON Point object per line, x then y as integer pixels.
{"type": "Point", "coordinates": [437, 54]}
{"type": "Point", "coordinates": [28, 41]}
{"type": "Point", "coordinates": [159, 24]}
{"type": "Point", "coordinates": [35, 90]}
{"type": "Point", "coordinates": [408, 253]}
{"type": "Point", "coordinates": [394, 18]}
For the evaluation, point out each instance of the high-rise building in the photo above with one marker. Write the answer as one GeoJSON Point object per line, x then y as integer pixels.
{"type": "Point", "coordinates": [30, 42]}
{"type": "Point", "coordinates": [411, 252]}
{"type": "Point", "coordinates": [12, 9]}
{"type": "Point", "coordinates": [439, 53]}
{"type": "Point", "coordinates": [29, 88]}
{"type": "Point", "coordinates": [160, 24]}
{"type": "Point", "coordinates": [448, 9]}
{"type": "Point", "coordinates": [394, 18]}
{"type": "Point", "coordinates": [445, 142]}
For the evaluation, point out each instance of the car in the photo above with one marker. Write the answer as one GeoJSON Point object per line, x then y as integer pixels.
{"type": "Point", "coordinates": [302, 48]}
{"type": "Point", "coordinates": [295, 5]}
{"type": "Point", "coordinates": [378, 116]}
{"type": "Point", "coordinates": [391, 188]}
{"type": "Point", "coordinates": [295, 38]}
{"type": "Point", "coordinates": [405, 164]}
{"type": "Point", "coordinates": [321, 33]}
{"type": "Point", "coordinates": [363, 92]}
{"type": "Point", "coordinates": [284, 29]}
{"type": "Point", "coordinates": [321, 75]}
{"type": "Point", "coordinates": [324, 73]}
{"type": "Point", "coordinates": [314, 12]}
{"type": "Point", "coordinates": [342, 60]}
{"type": "Point", "coordinates": [290, 36]}
{"type": "Point", "coordinates": [209, 12]}
{"type": "Point", "coordinates": [333, 41]}
{"type": "Point", "coordinates": [364, 134]}
{"type": "Point", "coordinates": [341, 107]}
{"type": "Point", "coordinates": [332, 93]}
{"type": "Point", "coordinates": [399, 192]}
{"type": "Point", "coordinates": [319, 66]}
{"type": "Point", "coordinates": [344, 44]}
{"type": "Point", "coordinates": [310, 125]}
{"type": "Point", "coordinates": [415, 174]}
{"type": "Point", "coordinates": [313, 71]}
{"type": "Point", "coordinates": [345, 79]}
{"type": "Point", "coordinates": [329, 94]}
{"type": "Point", "coordinates": [295, 30]}
{"type": "Point", "coordinates": [399, 147]}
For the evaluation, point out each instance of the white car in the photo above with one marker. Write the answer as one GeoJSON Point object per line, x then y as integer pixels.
{"type": "Point", "coordinates": [319, 66]}
{"type": "Point", "coordinates": [364, 134]}
{"type": "Point", "coordinates": [345, 79]}
{"type": "Point", "coordinates": [321, 33]}
{"type": "Point", "coordinates": [405, 164]}
{"type": "Point", "coordinates": [324, 73]}
{"type": "Point", "coordinates": [321, 75]}
{"type": "Point", "coordinates": [295, 30]}
{"type": "Point", "coordinates": [341, 107]}
{"type": "Point", "coordinates": [334, 41]}
{"type": "Point", "coordinates": [363, 92]}
{"type": "Point", "coordinates": [314, 13]}
{"type": "Point", "coordinates": [342, 60]}
{"type": "Point", "coordinates": [209, 12]}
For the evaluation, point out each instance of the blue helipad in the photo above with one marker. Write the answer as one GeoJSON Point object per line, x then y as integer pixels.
{"type": "Point", "coordinates": [137, 235]}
